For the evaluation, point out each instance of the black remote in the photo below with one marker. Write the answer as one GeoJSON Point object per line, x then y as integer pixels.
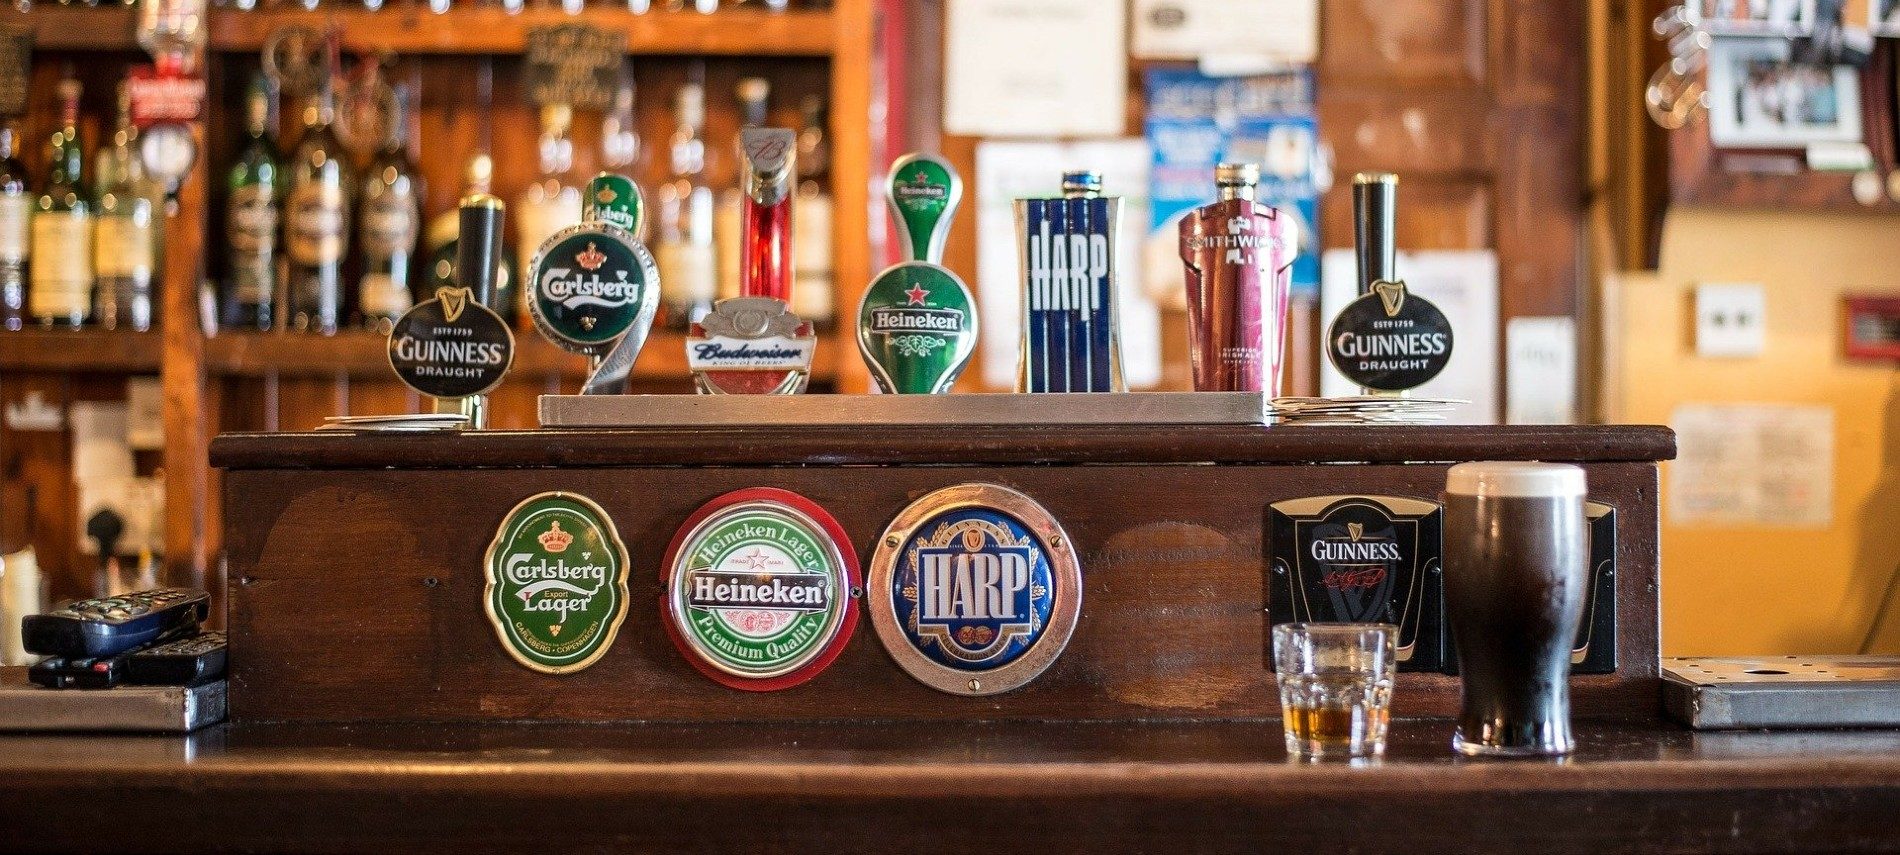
{"type": "Point", "coordinates": [109, 626]}
{"type": "Point", "coordinates": [181, 662]}
{"type": "Point", "coordinates": [60, 673]}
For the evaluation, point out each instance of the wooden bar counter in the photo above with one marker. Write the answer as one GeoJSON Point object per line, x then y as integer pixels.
{"type": "Point", "coordinates": [374, 709]}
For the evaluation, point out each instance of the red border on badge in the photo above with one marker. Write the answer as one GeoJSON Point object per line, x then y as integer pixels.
{"type": "Point", "coordinates": [854, 583]}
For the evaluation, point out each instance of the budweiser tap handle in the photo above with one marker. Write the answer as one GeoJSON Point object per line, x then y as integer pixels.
{"type": "Point", "coordinates": [769, 178]}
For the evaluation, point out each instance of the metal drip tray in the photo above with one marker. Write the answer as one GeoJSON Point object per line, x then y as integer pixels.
{"type": "Point", "coordinates": [1783, 691]}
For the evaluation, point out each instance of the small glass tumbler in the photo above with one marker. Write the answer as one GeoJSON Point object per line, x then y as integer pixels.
{"type": "Point", "coordinates": [1335, 687]}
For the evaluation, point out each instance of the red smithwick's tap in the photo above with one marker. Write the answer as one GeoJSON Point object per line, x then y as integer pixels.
{"type": "Point", "coordinates": [1239, 256]}
{"type": "Point", "coordinates": [768, 179]}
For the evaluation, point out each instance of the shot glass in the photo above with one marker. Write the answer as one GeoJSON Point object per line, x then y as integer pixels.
{"type": "Point", "coordinates": [1335, 687]}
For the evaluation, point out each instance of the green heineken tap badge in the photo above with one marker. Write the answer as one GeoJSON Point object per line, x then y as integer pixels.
{"type": "Point", "coordinates": [557, 583]}
{"type": "Point", "coordinates": [924, 193]}
{"type": "Point", "coordinates": [917, 328]}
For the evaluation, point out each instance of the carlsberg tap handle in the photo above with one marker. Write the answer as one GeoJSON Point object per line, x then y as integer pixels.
{"type": "Point", "coordinates": [615, 199]}
{"type": "Point", "coordinates": [924, 193]}
{"type": "Point", "coordinates": [478, 250]}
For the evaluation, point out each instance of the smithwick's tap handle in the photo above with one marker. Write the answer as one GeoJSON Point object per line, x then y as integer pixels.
{"type": "Point", "coordinates": [616, 200]}
{"type": "Point", "coordinates": [1375, 209]}
{"type": "Point", "coordinates": [924, 193]}
{"type": "Point", "coordinates": [478, 249]}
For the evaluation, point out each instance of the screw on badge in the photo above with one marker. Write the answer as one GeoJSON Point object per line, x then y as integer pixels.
{"type": "Point", "coordinates": [751, 346]}
{"type": "Point", "coordinates": [760, 589]}
{"type": "Point", "coordinates": [969, 594]}
{"type": "Point", "coordinates": [594, 288]}
{"type": "Point", "coordinates": [1389, 339]}
{"type": "Point", "coordinates": [1071, 338]}
{"type": "Point", "coordinates": [556, 589]}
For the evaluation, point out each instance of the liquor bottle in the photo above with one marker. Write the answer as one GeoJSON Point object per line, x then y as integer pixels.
{"type": "Point", "coordinates": [811, 218]}
{"type": "Point", "coordinates": [123, 247]}
{"type": "Point", "coordinates": [553, 201]}
{"type": "Point", "coordinates": [61, 290]}
{"type": "Point", "coordinates": [445, 243]}
{"type": "Point", "coordinates": [754, 94]}
{"type": "Point", "coordinates": [390, 219]}
{"type": "Point", "coordinates": [16, 209]}
{"type": "Point", "coordinates": [686, 255]}
{"type": "Point", "coordinates": [251, 218]}
{"type": "Point", "coordinates": [318, 232]}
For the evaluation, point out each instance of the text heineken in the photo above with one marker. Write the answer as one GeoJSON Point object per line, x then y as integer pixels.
{"type": "Point", "coordinates": [757, 590]}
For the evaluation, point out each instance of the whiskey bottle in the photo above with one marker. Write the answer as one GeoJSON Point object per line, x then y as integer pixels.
{"type": "Point", "coordinates": [686, 254]}
{"type": "Point", "coordinates": [390, 219]}
{"type": "Point", "coordinates": [251, 218]}
{"type": "Point", "coordinates": [61, 290]}
{"type": "Point", "coordinates": [754, 95]}
{"type": "Point", "coordinates": [318, 233]}
{"type": "Point", "coordinates": [811, 218]}
{"type": "Point", "coordinates": [16, 209]}
{"type": "Point", "coordinates": [553, 201]}
{"type": "Point", "coordinates": [123, 248]}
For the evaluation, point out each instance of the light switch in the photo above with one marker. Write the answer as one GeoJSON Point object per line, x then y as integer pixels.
{"type": "Point", "coordinates": [1731, 319]}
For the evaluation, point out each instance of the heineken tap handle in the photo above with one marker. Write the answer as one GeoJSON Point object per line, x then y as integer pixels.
{"type": "Point", "coordinates": [769, 177]}
{"type": "Point", "coordinates": [1375, 214]}
{"type": "Point", "coordinates": [478, 249]}
{"type": "Point", "coordinates": [924, 193]}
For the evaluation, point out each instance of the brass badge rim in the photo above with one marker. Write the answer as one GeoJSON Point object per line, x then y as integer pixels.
{"type": "Point", "coordinates": [499, 622]}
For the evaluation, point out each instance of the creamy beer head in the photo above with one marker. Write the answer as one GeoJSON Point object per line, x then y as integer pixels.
{"type": "Point", "coordinates": [1515, 480]}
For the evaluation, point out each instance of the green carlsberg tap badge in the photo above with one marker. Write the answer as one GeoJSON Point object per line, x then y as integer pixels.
{"type": "Point", "coordinates": [917, 328]}
{"type": "Point", "coordinates": [761, 589]}
{"type": "Point", "coordinates": [557, 583]}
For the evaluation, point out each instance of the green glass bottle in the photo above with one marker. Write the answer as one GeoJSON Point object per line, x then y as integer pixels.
{"type": "Point", "coordinates": [391, 223]}
{"type": "Point", "coordinates": [61, 291]}
{"type": "Point", "coordinates": [251, 217]}
{"type": "Point", "coordinates": [317, 234]}
{"type": "Point", "coordinates": [16, 210]}
{"type": "Point", "coordinates": [123, 246]}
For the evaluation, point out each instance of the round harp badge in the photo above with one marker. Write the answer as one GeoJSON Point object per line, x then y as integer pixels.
{"type": "Point", "coordinates": [557, 582]}
{"type": "Point", "coordinates": [760, 589]}
{"type": "Point", "coordinates": [976, 589]}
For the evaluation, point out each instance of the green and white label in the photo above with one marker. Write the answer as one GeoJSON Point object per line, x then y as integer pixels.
{"type": "Point", "coordinates": [557, 583]}
{"type": "Point", "coordinates": [758, 589]}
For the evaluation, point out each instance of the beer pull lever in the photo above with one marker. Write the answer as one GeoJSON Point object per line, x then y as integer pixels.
{"type": "Point", "coordinates": [753, 344]}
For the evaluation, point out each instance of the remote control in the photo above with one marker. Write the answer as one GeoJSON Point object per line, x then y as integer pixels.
{"type": "Point", "coordinates": [181, 662]}
{"type": "Point", "coordinates": [61, 673]}
{"type": "Point", "coordinates": [108, 626]}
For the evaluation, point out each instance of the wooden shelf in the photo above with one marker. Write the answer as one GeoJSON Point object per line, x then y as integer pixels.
{"type": "Point", "coordinates": [487, 30]}
{"type": "Point", "coordinates": [363, 354]}
{"type": "Point", "coordinates": [76, 27]}
{"type": "Point", "coordinates": [105, 351]}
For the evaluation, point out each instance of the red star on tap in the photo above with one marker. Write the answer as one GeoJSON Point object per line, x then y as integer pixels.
{"type": "Point", "coordinates": [917, 293]}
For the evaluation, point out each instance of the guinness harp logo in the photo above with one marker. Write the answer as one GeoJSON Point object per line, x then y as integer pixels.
{"type": "Point", "coordinates": [1361, 559]}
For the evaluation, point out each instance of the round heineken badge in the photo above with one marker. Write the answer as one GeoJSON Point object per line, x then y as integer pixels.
{"type": "Point", "coordinates": [451, 346]}
{"type": "Point", "coordinates": [557, 583]}
{"type": "Point", "coordinates": [592, 283]}
{"type": "Point", "coordinates": [760, 589]}
{"type": "Point", "coordinates": [975, 588]}
{"type": "Point", "coordinates": [1390, 339]}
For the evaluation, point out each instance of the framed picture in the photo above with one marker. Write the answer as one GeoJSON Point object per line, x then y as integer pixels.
{"type": "Point", "coordinates": [1756, 17]}
{"type": "Point", "coordinates": [1758, 99]}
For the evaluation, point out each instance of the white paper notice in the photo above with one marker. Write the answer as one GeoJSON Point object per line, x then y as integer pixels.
{"type": "Point", "coordinates": [1035, 68]}
{"type": "Point", "coordinates": [1540, 371]}
{"type": "Point", "coordinates": [1007, 171]}
{"type": "Point", "coordinates": [1221, 32]}
{"type": "Point", "coordinates": [1753, 464]}
{"type": "Point", "coordinates": [1461, 283]}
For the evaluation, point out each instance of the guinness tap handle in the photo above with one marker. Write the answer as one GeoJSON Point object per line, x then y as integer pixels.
{"type": "Point", "coordinates": [478, 250]}
{"type": "Point", "coordinates": [1375, 202]}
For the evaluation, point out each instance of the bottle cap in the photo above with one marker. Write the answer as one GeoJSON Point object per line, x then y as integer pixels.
{"type": "Point", "coordinates": [1082, 182]}
{"type": "Point", "coordinates": [1237, 174]}
{"type": "Point", "coordinates": [1515, 480]}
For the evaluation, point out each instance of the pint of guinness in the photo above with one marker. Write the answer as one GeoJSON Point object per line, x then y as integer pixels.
{"type": "Point", "coordinates": [1516, 577]}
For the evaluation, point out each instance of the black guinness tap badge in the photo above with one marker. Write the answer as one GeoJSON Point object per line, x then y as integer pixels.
{"type": "Point", "coordinates": [451, 346]}
{"type": "Point", "coordinates": [1361, 559]}
{"type": "Point", "coordinates": [1390, 340]}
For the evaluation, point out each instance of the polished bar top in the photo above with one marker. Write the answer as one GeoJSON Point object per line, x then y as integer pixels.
{"type": "Point", "coordinates": [964, 787]}
{"type": "Point", "coordinates": [979, 445]}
